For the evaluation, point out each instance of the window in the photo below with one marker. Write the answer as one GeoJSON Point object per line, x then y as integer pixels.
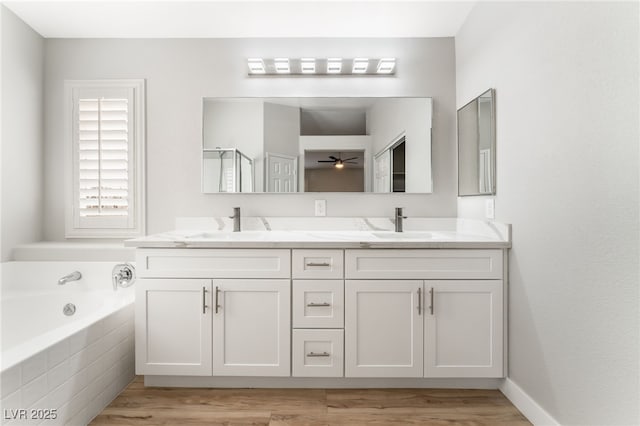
{"type": "Point", "coordinates": [106, 153]}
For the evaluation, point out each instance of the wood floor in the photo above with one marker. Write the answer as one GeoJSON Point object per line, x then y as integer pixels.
{"type": "Point", "coordinates": [138, 405]}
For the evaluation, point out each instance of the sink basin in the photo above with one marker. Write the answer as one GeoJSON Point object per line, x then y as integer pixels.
{"type": "Point", "coordinates": [338, 235]}
{"type": "Point", "coordinates": [407, 235]}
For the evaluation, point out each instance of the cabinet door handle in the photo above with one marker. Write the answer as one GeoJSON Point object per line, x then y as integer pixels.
{"type": "Point", "coordinates": [431, 307]}
{"type": "Point", "coordinates": [217, 303]}
{"type": "Point", "coordinates": [316, 305]}
{"type": "Point", "coordinates": [318, 264]}
{"type": "Point", "coordinates": [204, 300]}
{"type": "Point", "coordinates": [419, 301]}
{"type": "Point", "coordinates": [315, 355]}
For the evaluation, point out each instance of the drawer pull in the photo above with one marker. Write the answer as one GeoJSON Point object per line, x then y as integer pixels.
{"type": "Point", "coordinates": [204, 300]}
{"type": "Point", "coordinates": [317, 305]}
{"type": "Point", "coordinates": [318, 264]}
{"type": "Point", "coordinates": [314, 355]}
{"type": "Point", "coordinates": [431, 307]}
{"type": "Point", "coordinates": [217, 303]}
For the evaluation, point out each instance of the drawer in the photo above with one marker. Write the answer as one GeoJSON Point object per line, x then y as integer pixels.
{"type": "Point", "coordinates": [318, 304]}
{"type": "Point", "coordinates": [423, 264]}
{"type": "Point", "coordinates": [318, 353]}
{"type": "Point", "coordinates": [213, 263]}
{"type": "Point", "coordinates": [311, 264]}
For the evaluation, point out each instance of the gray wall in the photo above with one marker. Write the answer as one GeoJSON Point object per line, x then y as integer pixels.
{"type": "Point", "coordinates": [180, 72]}
{"type": "Point", "coordinates": [566, 80]}
{"type": "Point", "coordinates": [22, 164]}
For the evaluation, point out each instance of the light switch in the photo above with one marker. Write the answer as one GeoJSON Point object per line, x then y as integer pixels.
{"type": "Point", "coordinates": [321, 207]}
{"type": "Point", "coordinates": [490, 209]}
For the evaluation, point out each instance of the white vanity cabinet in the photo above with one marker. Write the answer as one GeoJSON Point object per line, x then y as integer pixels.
{"type": "Point", "coordinates": [251, 327]}
{"type": "Point", "coordinates": [325, 312]}
{"type": "Point", "coordinates": [463, 328]}
{"type": "Point", "coordinates": [221, 312]}
{"type": "Point", "coordinates": [441, 316]}
{"type": "Point", "coordinates": [173, 327]}
{"type": "Point", "coordinates": [383, 328]}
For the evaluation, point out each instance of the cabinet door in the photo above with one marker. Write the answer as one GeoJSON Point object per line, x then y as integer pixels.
{"type": "Point", "coordinates": [463, 329]}
{"type": "Point", "coordinates": [383, 328]}
{"type": "Point", "coordinates": [173, 327]}
{"type": "Point", "coordinates": [252, 328]}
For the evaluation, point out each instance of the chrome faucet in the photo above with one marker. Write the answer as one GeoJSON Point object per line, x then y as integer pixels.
{"type": "Point", "coordinates": [74, 276]}
{"type": "Point", "coordinates": [236, 219]}
{"type": "Point", "coordinates": [123, 275]}
{"type": "Point", "coordinates": [399, 219]}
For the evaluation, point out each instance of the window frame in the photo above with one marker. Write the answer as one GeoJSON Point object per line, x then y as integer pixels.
{"type": "Point", "coordinates": [74, 228]}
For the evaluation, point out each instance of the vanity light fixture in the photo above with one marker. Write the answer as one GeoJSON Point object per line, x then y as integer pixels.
{"type": "Point", "coordinates": [360, 66]}
{"type": "Point", "coordinates": [282, 65]}
{"type": "Point", "coordinates": [321, 67]}
{"type": "Point", "coordinates": [386, 65]}
{"type": "Point", "coordinates": [308, 65]}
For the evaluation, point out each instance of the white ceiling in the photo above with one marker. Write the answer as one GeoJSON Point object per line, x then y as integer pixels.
{"type": "Point", "coordinates": [242, 18]}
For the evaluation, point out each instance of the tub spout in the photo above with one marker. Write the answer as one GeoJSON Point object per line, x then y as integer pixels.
{"type": "Point", "coordinates": [74, 276]}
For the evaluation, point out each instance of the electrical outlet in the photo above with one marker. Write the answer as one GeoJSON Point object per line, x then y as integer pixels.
{"type": "Point", "coordinates": [490, 209]}
{"type": "Point", "coordinates": [321, 207]}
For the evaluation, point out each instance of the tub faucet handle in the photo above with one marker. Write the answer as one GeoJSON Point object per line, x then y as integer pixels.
{"type": "Point", "coordinates": [123, 275]}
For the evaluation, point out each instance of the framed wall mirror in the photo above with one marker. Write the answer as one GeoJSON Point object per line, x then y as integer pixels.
{"type": "Point", "coordinates": [292, 145]}
{"type": "Point", "coordinates": [477, 146]}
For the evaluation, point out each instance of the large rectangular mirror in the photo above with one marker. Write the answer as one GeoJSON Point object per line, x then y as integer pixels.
{"type": "Point", "coordinates": [477, 146]}
{"type": "Point", "coordinates": [316, 145]}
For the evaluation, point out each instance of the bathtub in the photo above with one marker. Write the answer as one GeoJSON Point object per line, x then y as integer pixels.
{"type": "Point", "coordinates": [58, 368]}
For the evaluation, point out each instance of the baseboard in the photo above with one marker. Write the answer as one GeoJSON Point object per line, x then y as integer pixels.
{"type": "Point", "coordinates": [326, 383]}
{"type": "Point", "coordinates": [527, 406]}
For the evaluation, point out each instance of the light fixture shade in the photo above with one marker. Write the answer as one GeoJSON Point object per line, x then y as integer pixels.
{"type": "Point", "coordinates": [256, 66]}
{"type": "Point", "coordinates": [360, 65]}
{"type": "Point", "coordinates": [282, 65]}
{"type": "Point", "coordinates": [308, 65]}
{"type": "Point", "coordinates": [386, 65]}
{"type": "Point", "coordinates": [334, 65]}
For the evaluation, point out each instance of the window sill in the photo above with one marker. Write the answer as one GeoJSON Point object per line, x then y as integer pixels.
{"type": "Point", "coordinates": [74, 251]}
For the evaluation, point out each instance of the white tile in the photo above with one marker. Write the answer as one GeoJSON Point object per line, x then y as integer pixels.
{"type": "Point", "coordinates": [58, 374]}
{"type": "Point", "coordinates": [94, 408]}
{"type": "Point", "coordinates": [63, 415]}
{"type": "Point", "coordinates": [79, 418]}
{"type": "Point", "coordinates": [79, 360]}
{"type": "Point", "coordinates": [34, 390]}
{"type": "Point", "coordinates": [11, 402]}
{"type": "Point", "coordinates": [78, 341]}
{"type": "Point", "coordinates": [34, 367]}
{"type": "Point", "coordinates": [61, 395]}
{"type": "Point", "coordinates": [10, 381]}
{"type": "Point", "coordinates": [58, 353]}
{"type": "Point", "coordinates": [114, 320]}
{"type": "Point", "coordinates": [78, 381]}
{"type": "Point", "coordinates": [77, 403]}
{"type": "Point", "coordinates": [37, 417]}
{"type": "Point", "coordinates": [111, 358]}
{"type": "Point", "coordinates": [95, 370]}
{"type": "Point", "coordinates": [110, 340]}
{"type": "Point", "coordinates": [95, 350]}
{"type": "Point", "coordinates": [95, 331]}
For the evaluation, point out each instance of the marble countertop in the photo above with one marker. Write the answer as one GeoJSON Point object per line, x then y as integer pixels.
{"type": "Point", "coordinates": [261, 232]}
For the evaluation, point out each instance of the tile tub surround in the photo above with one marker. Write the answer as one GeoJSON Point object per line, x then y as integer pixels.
{"type": "Point", "coordinates": [77, 376]}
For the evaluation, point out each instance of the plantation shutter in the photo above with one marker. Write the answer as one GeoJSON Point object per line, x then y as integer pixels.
{"type": "Point", "coordinates": [104, 158]}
